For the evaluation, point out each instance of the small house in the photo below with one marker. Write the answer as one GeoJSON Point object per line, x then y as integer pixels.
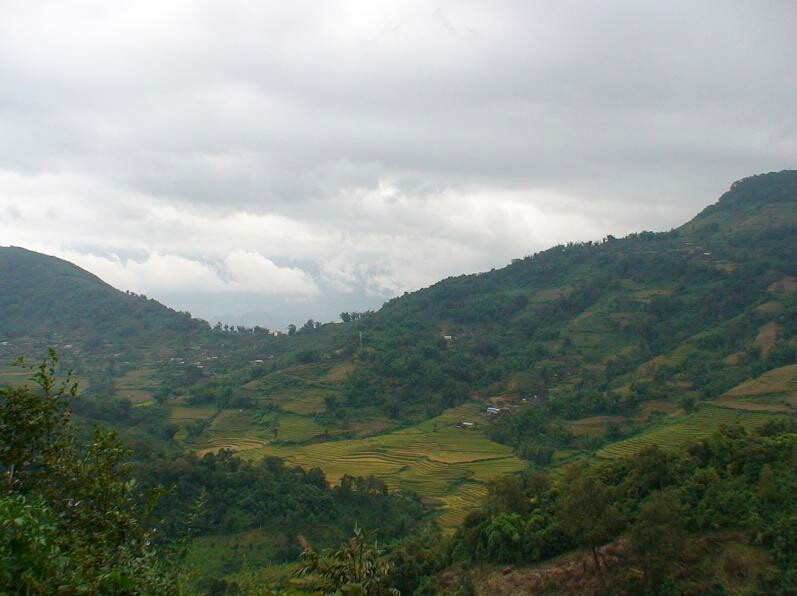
{"type": "Point", "coordinates": [468, 424]}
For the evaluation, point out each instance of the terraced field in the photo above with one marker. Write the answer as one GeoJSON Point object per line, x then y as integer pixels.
{"type": "Point", "coordinates": [445, 464]}
{"type": "Point", "coordinates": [301, 389]}
{"type": "Point", "coordinates": [682, 430]}
{"type": "Point", "coordinates": [15, 376]}
{"type": "Point", "coordinates": [137, 386]}
{"type": "Point", "coordinates": [775, 390]}
{"type": "Point", "coordinates": [184, 414]}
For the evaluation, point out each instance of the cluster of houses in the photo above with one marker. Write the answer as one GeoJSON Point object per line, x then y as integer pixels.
{"type": "Point", "coordinates": [491, 411]}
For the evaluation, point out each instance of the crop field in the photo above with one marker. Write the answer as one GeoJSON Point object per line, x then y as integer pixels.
{"type": "Point", "coordinates": [15, 376]}
{"type": "Point", "coordinates": [773, 307]}
{"type": "Point", "coordinates": [340, 371]}
{"type": "Point", "coordinates": [591, 332]}
{"type": "Point", "coordinates": [787, 285]}
{"type": "Point", "coordinates": [766, 338]}
{"type": "Point", "coordinates": [301, 389]}
{"type": "Point", "coordinates": [230, 429]}
{"type": "Point", "coordinates": [680, 431]}
{"type": "Point", "coordinates": [185, 414]}
{"type": "Point", "coordinates": [674, 358]}
{"type": "Point", "coordinates": [297, 429]}
{"type": "Point", "coordinates": [439, 461]}
{"type": "Point", "coordinates": [137, 386]}
{"type": "Point", "coordinates": [775, 390]}
{"type": "Point", "coordinates": [230, 553]}
{"type": "Point", "coordinates": [550, 294]}
{"type": "Point", "coordinates": [594, 426]}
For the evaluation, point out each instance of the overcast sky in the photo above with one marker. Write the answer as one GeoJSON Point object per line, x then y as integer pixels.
{"type": "Point", "coordinates": [274, 161]}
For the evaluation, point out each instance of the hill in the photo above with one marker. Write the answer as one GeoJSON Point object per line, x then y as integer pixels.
{"type": "Point", "coordinates": [43, 296]}
{"type": "Point", "coordinates": [698, 308]}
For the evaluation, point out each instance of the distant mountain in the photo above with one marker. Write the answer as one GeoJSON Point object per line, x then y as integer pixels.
{"type": "Point", "coordinates": [43, 296]}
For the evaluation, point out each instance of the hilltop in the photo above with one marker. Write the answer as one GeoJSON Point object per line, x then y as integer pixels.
{"type": "Point", "coordinates": [44, 296]}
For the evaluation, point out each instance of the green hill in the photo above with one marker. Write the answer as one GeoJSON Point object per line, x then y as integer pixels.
{"type": "Point", "coordinates": [697, 309]}
{"type": "Point", "coordinates": [44, 296]}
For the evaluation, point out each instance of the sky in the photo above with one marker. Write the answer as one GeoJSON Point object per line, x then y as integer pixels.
{"type": "Point", "coordinates": [270, 162]}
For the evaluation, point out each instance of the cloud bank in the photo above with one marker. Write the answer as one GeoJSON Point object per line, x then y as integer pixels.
{"type": "Point", "coordinates": [314, 154]}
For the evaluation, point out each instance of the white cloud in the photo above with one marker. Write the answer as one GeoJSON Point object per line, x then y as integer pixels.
{"type": "Point", "coordinates": [158, 273]}
{"type": "Point", "coordinates": [366, 148]}
{"type": "Point", "coordinates": [252, 272]}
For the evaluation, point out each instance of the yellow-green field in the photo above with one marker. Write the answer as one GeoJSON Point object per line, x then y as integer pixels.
{"type": "Point", "coordinates": [16, 376]}
{"type": "Point", "coordinates": [301, 389]}
{"type": "Point", "coordinates": [137, 386]}
{"type": "Point", "coordinates": [439, 461]}
{"type": "Point", "coordinates": [682, 430]}
{"type": "Point", "coordinates": [775, 390]}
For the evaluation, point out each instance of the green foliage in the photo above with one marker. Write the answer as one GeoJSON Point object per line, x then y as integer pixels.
{"type": "Point", "coordinates": [733, 481]}
{"type": "Point", "coordinates": [356, 568]}
{"type": "Point", "coordinates": [71, 513]}
{"type": "Point", "coordinates": [241, 495]}
{"type": "Point", "coordinates": [29, 556]}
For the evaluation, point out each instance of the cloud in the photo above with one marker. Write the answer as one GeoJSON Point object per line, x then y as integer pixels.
{"type": "Point", "coordinates": [241, 271]}
{"type": "Point", "coordinates": [361, 149]}
{"type": "Point", "coordinates": [252, 272]}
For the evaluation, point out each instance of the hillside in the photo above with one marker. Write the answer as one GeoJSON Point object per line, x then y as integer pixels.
{"type": "Point", "coordinates": [43, 296]}
{"type": "Point", "coordinates": [699, 308]}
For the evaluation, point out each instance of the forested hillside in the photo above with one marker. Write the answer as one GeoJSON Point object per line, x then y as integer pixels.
{"type": "Point", "coordinates": [49, 297]}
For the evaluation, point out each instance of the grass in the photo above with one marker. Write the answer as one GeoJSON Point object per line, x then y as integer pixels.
{"type": "Point", "coordinates": [675, 434]}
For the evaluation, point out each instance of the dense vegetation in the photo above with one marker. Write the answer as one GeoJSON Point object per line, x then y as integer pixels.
{"type": "Point", "coordinates": [735, 487]}
{"type": "Point", "coordinates": [72, 518]}
{"type": "Point", "coordinates": [239, 495]}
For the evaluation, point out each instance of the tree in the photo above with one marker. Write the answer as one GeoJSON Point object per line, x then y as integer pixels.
{"type": "Point", "coordinates": [356, 568]}
{"type": "Point", "coordinates": [70, 512]}
{"type": "Point", "coordinates": [688, 403]}
{"type": "Point", "coordinates": [657, 537]}
{"type": "Point", "coordinates": [587, 510]}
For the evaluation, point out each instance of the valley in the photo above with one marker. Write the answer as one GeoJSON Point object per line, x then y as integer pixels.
{"type": "Point", "coordinates": [588, 356]}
